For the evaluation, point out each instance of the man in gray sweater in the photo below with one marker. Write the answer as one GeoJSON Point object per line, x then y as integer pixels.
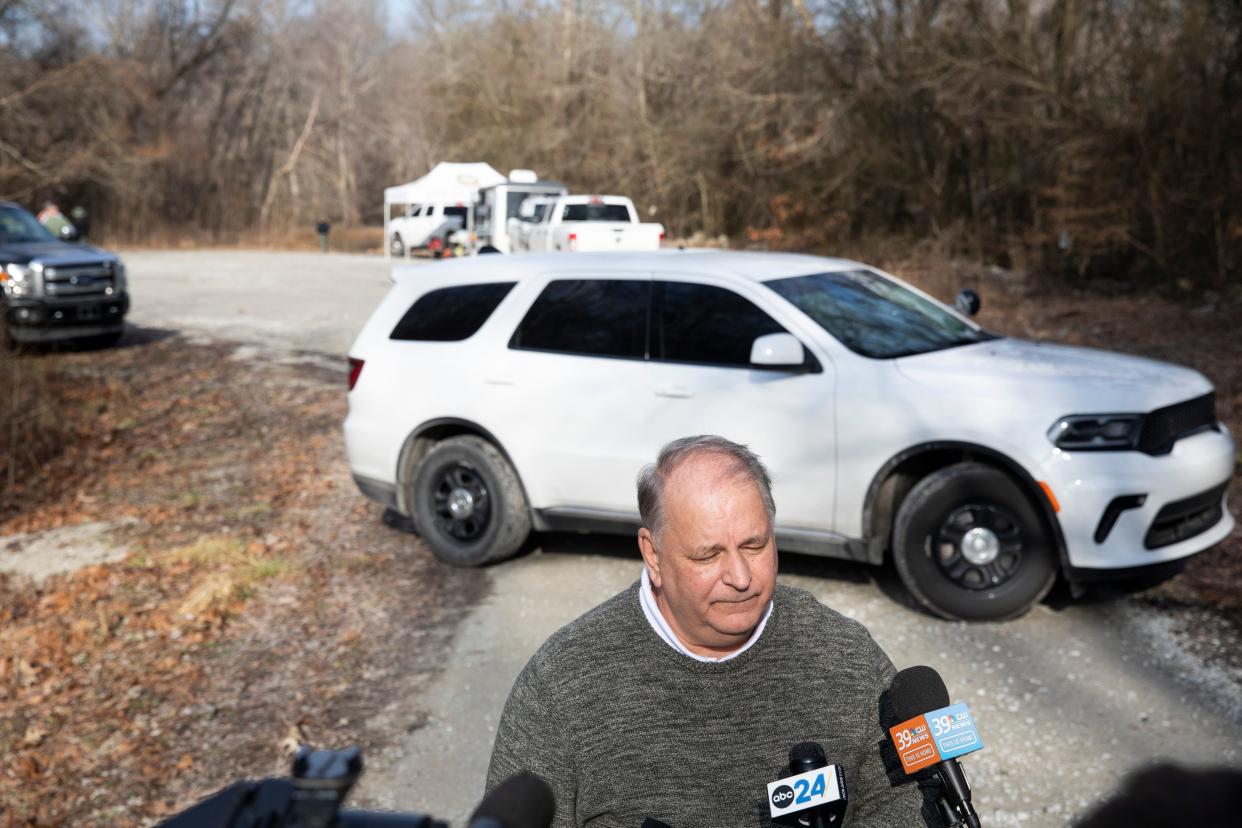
{"type": "Point", "coordinates": [678, 700]}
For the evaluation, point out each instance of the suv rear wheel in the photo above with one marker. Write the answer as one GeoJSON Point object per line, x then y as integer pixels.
{"type": "Point", "coordinates": [968, 544]}
{"type": "Point", "coordinates": [468, 504]}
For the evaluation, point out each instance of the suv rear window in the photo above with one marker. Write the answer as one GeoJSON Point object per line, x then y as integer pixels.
{"type": "Point", "coordinates": [597, 317]}
{"type": "Point", "coordinates": [450, 314]}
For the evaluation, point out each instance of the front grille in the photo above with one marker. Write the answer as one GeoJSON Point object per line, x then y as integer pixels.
{"type": "Point", "coordinates": [1165, 426]}
{"type": "Point", "coordinates": [93, 279]}
{"type": "Point", "coordinates": [1186, 518]}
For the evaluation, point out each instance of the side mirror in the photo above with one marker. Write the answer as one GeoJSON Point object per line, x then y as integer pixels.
{"type": "Point", "coordinates": [968, 302]}
{"type": "Point", "coordinates": [778, 350]}
{"type": "Point", "coordinates": [69, 233]}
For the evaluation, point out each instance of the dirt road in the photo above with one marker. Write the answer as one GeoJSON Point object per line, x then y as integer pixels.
{"type": "Point", "coordinates": [1067, 698]}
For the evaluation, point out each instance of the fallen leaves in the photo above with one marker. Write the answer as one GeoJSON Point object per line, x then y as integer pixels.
{"type": "Point", "coordinates": [103, 670]}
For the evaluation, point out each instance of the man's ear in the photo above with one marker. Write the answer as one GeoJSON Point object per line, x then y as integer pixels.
{"type": "Point", "coordinates": [647, 547]}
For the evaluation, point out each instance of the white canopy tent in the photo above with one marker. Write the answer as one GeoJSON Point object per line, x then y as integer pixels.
{"type": "Point", "coordinates": [446, 183]}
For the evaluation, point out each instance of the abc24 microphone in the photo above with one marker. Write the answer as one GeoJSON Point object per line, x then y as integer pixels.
{"type": "Point", "coordinates": [813, 796]}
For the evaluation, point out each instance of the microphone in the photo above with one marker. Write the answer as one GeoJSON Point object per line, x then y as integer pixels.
{"type": "Point", "coordinates": [814, 796]}
{"type": "Point", "coordinates": [933, 732]}
{"type": "Point", "coordinates": [521, 801]}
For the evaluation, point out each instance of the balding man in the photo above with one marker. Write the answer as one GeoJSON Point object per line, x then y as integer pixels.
{"type": "Point", "coordinates": [679, 699]}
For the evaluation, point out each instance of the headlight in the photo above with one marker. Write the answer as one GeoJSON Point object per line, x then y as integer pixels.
{"type": "Point", "coordinates": [1097, 432]}
{"type": "Point", "coordinates": [118, 276]}
{"type": "Point", "coordinates": [17, 279]}
{"type": "Point", "coordinates": [19, 273]}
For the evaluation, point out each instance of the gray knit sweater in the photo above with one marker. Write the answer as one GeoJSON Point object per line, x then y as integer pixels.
{"type": "Point", "coordinates": [624, 727]}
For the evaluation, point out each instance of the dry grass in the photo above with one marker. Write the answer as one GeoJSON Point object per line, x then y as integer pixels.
{"type": "Point", "coordinates": [131, 690]}
{"type": "Point", "coordinates": [362, 239]}
{"type": "Point", "coordinates": [30, 430]}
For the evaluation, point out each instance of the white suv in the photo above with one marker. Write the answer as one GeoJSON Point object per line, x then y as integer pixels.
{"type": "Point", "coordinates": [495, 395]}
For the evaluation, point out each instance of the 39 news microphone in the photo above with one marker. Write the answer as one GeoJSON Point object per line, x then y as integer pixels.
{"type": "Point", "coordinates": [814, 796]}
{"type": "Point", "coordinates": [933, 732]}
{"type": "Point", "coordinates": [521, 801]}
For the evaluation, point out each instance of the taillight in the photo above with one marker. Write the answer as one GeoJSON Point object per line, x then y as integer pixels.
{"type": "Point", "coordinates": [661, 238]}
{"type": "Point", "coordinates": [355, 368]}
{"type": "Point", "coordinates": [573, 241]}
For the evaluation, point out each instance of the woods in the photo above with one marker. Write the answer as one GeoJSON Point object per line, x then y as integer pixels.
{"type": "Point", "coordinates": [1082, 139]}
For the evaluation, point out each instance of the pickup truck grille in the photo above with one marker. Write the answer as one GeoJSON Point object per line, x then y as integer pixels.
{"type": "Point", "coordinates": [78, 280]}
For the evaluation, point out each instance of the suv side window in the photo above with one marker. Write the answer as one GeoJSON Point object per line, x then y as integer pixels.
{"type": "Point", "coordinates": [595, 317]}
{"type": "Point", "coordinates": [450, 314]}
{"type": "Point", "coordinates": [706, 324]}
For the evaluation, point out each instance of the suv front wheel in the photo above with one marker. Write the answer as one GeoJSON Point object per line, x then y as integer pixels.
{"type": "Point", "coordinates": [468, 504]}
{"type": "Point", "coordinates": [968, 544]}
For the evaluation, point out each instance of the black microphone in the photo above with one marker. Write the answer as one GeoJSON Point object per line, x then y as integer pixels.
{"type": "Point", "coordinates": [919, 690]}
{"type": "Point", "coordinates": [807, 798]}
{"type": "Point", "coordinates": [803, 757]}
{"type": "Point", "coordinates": [521, 801]}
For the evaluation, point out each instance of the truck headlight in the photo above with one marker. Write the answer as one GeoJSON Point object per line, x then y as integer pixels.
{"type": "Point", "coordinates": [1097, 432]}
{"type": "Point", "coordinates": [17, 279]}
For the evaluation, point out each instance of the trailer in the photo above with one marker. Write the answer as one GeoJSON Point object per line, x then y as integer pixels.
{"type": "Point", "coordinates": [501, 202]}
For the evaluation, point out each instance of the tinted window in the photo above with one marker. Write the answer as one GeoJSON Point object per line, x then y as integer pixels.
{"type": "Point", "coordinates": [706, 324]}
{"type": "Point", "coordinates": [450, 314]}
{"type": "Point", "coordinates": [595, 212]}
{"type": "Point", "coordinates": [875, 316]}
{"type": "Point", "coordinates": [600, 317]}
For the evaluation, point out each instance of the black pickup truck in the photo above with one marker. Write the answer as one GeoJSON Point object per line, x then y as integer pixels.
{"type": "Point", "coordinates": [54, 290]}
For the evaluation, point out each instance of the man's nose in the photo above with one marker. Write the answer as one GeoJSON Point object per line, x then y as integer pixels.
{"type": "Point", "coordinates": [737, 571]}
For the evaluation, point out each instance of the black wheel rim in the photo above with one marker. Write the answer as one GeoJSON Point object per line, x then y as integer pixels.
{"type": "Point", "coordinates": [461, 503]}
{"type": "Point", "coordinates": [977, 547]}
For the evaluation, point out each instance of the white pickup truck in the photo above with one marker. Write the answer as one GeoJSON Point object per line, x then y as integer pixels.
{"type": "Point", "coordinates": [593, 223]}
{"type": "Point", "coordinates": [427, 226]}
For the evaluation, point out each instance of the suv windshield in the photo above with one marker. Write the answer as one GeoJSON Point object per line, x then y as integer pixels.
{"type": "Point", "coordinates": [875, 316]}
{"type": "Point", "coordinates": [19, 227]}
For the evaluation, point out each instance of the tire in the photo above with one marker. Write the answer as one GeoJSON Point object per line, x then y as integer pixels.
{"type": "Point", "coordinates": [396, 247]}
{"type": "Point", "coordinates": [969, 545]}
{"type": "Point", "coordinates": [494, 518]}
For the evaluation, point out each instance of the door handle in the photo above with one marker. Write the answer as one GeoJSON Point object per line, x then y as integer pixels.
{"type": "Point", "coordinates": [677, 392]}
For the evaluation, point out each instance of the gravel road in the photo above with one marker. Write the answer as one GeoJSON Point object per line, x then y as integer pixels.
{"type": "Point", "coordinates": [286, 300]}
{"type": "Point", "coordinates": [1067, 698]}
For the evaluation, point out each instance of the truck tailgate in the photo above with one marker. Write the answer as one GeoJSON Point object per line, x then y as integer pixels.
{"type": "Point", "coordinates": [592, 236]}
